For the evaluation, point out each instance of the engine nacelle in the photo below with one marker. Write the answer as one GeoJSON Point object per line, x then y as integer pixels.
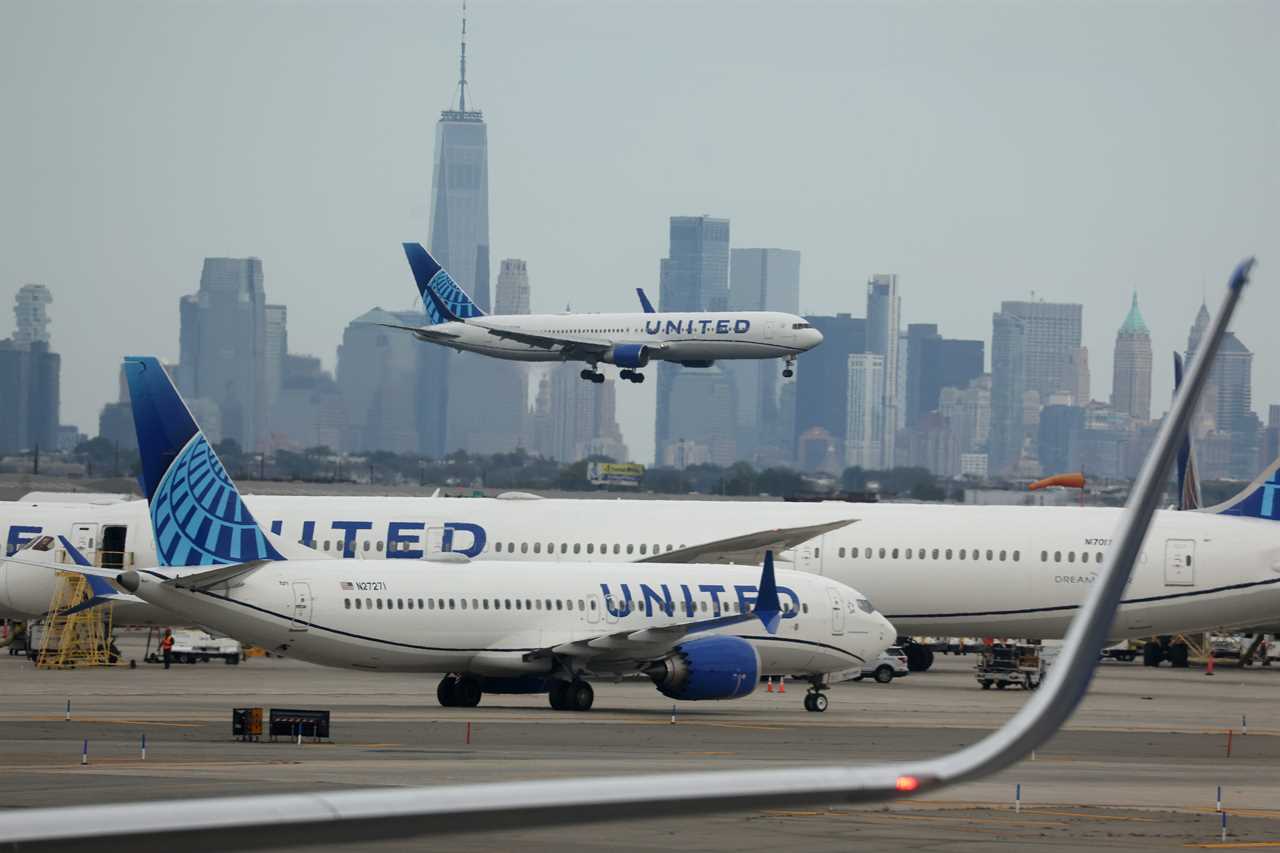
{"type": "Point", "coordinates": [627, 355]}
{"type": "Point", "coordinates": [708, 668]}
{"type": "Point", "coordinates": [699, 363]}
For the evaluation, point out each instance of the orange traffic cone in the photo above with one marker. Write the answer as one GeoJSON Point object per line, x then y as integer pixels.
{"type": "Point", "coordinates": [770, 689]}
{"type": "Point", "coordinates": [782, 684]}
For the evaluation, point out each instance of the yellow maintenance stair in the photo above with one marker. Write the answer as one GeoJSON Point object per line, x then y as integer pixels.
{"type": "Point", "coordinates": [75, 639]}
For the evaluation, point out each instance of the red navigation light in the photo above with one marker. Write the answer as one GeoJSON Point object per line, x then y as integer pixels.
{"type": "Point", "coordinates": [907, 783]}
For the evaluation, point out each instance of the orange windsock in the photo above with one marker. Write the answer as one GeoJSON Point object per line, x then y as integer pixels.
{"type": "Point", "coordinates": [1070, 481]}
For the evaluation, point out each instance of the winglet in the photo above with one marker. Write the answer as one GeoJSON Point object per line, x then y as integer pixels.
{"type": "Point", "coordinates": [768, 608]}
{"type": "Point", "coordinates": [644, 301]}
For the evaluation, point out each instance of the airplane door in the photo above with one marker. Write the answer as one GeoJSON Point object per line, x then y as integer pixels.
{"type": "Point", "coordinates": [593, 609]}
{"type": "Point", "coordinates": [837, 611]}
{"type": "Point", "coordinates": [1179, 562]}
{"type": "Point", "coordinates": [85, 539]}
{"type": "Point", "coordinates": [301, 607]}
{"type": "Point", "coordinates": [806, 556]}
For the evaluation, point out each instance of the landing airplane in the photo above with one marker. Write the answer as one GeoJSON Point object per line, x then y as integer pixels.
{"type": "Point", "coordinates": [692, 629]}
{"type": "Point", "coordinates": [630, 340]}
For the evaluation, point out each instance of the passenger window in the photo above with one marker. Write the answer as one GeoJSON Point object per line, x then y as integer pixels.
{"type": "Point", "coordinates": [528, 605]}
{"type": "Point", "coordinates": [962, 553]}
{"type": "Point", "coordinates": [1057, 556]}
{"type": "Point", "coordinates": [537, 547]}
{"type": "Point", "coordinates": [882, 553]}
{"type": "Point", "coordinates": [908, 554]}
{"type": "Point", "coordinates": [347, 602]}
{"type": "Point", "coordinates": [867, 553]}
{"type": "Point", "coordinates": [524, 547]}
{"type": "Point", "coordinates": [577, 548]}
{"type": "Point", "coordinates": [643, 548]}
{"type": "Point", "coordinates": [475, 605]}
{"type": "Point", "coordinates": [630, 548]}
{"type": "Point", "coordinates": [538, 602]}
{"type": "Point", "coordinates": [817, 552]}
{"type": "Point", "coordinates": [1044, 556]}
{"type": "Point", "coordinates": [326, 544]}
{"type": "Point", "coordinates": [548, 604]}
{"type": "Point", "coordinates": [1099, 556]}
{"type": "Point", "coordinates": [1015, 556]}
{"type": "Point", "coordinates": [1071, 556]}
{"type": "Point", "coordinates": [508, 603]}
{"type": "Point", "coordinates": [518, 605]}
{"type": "Point", "coordinates": [1003, 554]}
{"type": "Point", "coordinates": [559, 604]}
{"type": "Point", "coordinates": [431, 604]}
{"type": "Point", "coordinates": [593, 604]}
{"type": "Point", "coordinates": [379, 546]}
{"type": "Point", "coordinates": [616, 548]}
{"type": "Point", "coordinates": [484, 603]}
{"type": "Point", "coordinates": [463, 602]}
{"type": "Point", "coordinates": [591, 548]}
{"type": "Point", "coordinates": [357, 604]}
{"type": "Point", "coordinates": [399, 604]}
{"type": "Point", "coordinates": [419, 603]}
{"type": "Point", "coordinates": [564, 547]}
{"type": "Point", "coordinates": [366, 544]}
{"type": "Point", "coordinates": [581, 605]}
{"type": "Point", "coordinates": [948, 553]}
{"type": "Point", "coordinates": [379, 600]}
{"type": "Point", "coordinates": [935, 553]}
{"type": "Point", "coordinates": [551, 547]}
{"type": "Point", "coordinates": [895, 553]}
{"type": "Point", "coordinates": [990, 556]}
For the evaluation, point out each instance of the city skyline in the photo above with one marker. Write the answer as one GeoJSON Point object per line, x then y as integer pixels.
{"type": "Point", "coordinates": [1023, 196]}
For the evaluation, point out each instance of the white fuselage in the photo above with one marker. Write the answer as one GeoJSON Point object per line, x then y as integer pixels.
{"type": "Point", "coordinates": [1196, 572]}
{"type": "Point", "coordinates": [696, 336]}
{"type": "Point", "coordinates": [485, 620]}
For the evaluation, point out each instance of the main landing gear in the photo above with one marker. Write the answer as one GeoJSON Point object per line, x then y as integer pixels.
{"type": "Point", "coordinates": [789, 369]}
{"type": "Point", "coordinates": [631, 375]}
{"type": "Point", "coordinates": [458, 692]}
{"type": "Point", "coordinates": [815, 700]}
{"type": "Point", "coordinates": [592, 375]}
{"type": "Point", "coordinates": [571, 695]}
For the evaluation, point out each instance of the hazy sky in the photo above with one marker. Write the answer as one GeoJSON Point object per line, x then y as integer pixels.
{"type": "Point", "coordinates": [979, 150]}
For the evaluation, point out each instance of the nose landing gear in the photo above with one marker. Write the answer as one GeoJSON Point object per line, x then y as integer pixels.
{"type": "Point", "coordinates": [815, 700]}
{"type": "Point", "coordinates": [789, 369]}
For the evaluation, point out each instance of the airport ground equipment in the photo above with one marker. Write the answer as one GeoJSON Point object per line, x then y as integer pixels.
{"type": "Point", "coordinates": [72, 637]}
{"type": "Point", "coordinates": [1008, 664]}
{"type": "Point", "coordinates": [290, 820]}
{"type": "Point", "coordinates": [194, 646]}
{"type": "Point", "coordinates": [296, 722]}
{"type": "Point", "coordinates": [246, 724]}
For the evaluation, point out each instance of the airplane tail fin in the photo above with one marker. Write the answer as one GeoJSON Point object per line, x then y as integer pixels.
{"type": "Point", "coordinates": [197, 515]}
{"type": "Point", "coordinates": [1259, 499]}
{"type": "Point", "coordinates": [435, 279]}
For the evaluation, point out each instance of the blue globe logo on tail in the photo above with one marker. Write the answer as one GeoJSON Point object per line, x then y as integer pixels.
{"type": "Point", "coordinates": [198, 516]}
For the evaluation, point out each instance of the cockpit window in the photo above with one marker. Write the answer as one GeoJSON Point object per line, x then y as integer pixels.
{"type": "Point", "coordinates": [866, 606]}
{"type": "Point", "coordinates": [44, 543]}
{"type": "Point", "coordinates": [802, 325]}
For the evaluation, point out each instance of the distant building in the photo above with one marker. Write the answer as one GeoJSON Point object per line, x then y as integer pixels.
{"type": "Point", "coordinates": [822, 382]}
{"type": "Point", "coordinates": [276, 347]}
{"type": "Point", "coordinates": [694, 277]}
{"type": "Point", "coordinates": [762, 280]}
{"type": "Point", "coordinates": [309, 410]}
{"type": "Point", "coordinates": [1079, 381]}
{"type": "Point", "coordinates": [574, 419]}
{"type": "Point", "coordinates": [30, 310]}
{"type": "Point", "coordinates": [1131, 374]}
{"type": "Point", "coordinates": [1052, 332]}
{"type": "Point", "coordinates": [1008, 382]}
{"type": "Point", "coordinates": [702, 411]}
{"type": "Point", "coordinates": [223, 341]}
{"type": "Point", "coordinates": [378, 380]}
{"type": "Point", "coordinates": [937, 363]}
{"type": "Point", "coordinates": [884, 325]}
{"type": "Point", "coordinates": [817, 450]}
{"type": "Point", "coordinates": [865, 421]}
{"type": "Point", "coordinates": [512, 295]}
{"type": "Point", "coordinates": [1061, 432]}
{"type": "Point", "coordinates": [967, 412]}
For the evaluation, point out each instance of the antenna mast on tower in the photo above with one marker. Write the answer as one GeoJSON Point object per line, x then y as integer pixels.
{"type": "Point", "coordinates": [462, 64]}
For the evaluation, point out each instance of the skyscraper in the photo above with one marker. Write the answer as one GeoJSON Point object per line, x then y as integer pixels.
{"type": "Point", "coordinates": [1131, 372]}
{"type": "Point", "coordinates": [512, 295]}
{"type": "Point", "coordinates": [695, 277]}
{"type": "Point", "coordinates": [884, 309]}
{"type": "Point", "coordinates": [486, 397]}
{"type": "Point", "coordinates": [1008, 382]}
{"type": "Point", "coordinates": [865, 421]}
{"type": "Point", "coordinates": [30, 309]}
{"type": "Point", "coordinates": [761, 280]}
{"type": "Point", "coordinates": [378, 379]}
{"type": "Point", "coordinates": [822, 380]}
{"type": "Point", "coordinates": [574, 419]}
{"type": "Point", "coordinates": [1052, 331]}
{"type": "Point", "coordinates": [276, 349]}
{"type": "Point", "coordinates": [223, 339]}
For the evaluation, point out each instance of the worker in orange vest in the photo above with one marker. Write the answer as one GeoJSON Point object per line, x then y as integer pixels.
{"type": "Point", "coordinates": [166, 646]}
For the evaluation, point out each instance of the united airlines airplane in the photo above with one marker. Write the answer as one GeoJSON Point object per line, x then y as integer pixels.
{"type": "Point", "coordinates": [629, 341]}
{"type": "Point", "coordinates": [692, 629]}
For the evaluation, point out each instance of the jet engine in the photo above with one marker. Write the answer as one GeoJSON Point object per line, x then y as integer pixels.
{"type": "Point", "coordinates": [627, 355]}
{"type": "Point", "coordinates": [714, 667]}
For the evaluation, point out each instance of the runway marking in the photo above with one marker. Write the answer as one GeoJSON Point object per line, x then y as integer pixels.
{"type": "Point", "coordinates": [894, 816]}
{"type": "Point", "coordinates": [1090, 816]}
{"type": "Point", "coordinates": [113, 722]}
{"type": "Point", "coordinates": [1234, 845]}
{"type": "Point", "coordinates": [708, 753]}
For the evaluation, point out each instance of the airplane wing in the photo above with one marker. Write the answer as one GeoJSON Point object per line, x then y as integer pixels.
{"type": "Point", "coordinates": [425, 333]}
{"type": "Point", "coordinates": [649, 643]}
{"type": "Point", "coordinates": [533, 339]}
{"type": "Point", "coordinates": [743, 549]}
{"type": "Point", "coordinates": [332, 817]}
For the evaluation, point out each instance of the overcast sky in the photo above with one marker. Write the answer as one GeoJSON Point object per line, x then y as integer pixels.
{"type": "Point", "coordinates": [982, 151]}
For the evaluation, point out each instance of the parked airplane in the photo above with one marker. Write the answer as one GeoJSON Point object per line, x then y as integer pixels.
{"type": "Point", "coordinates": [630, 340]}
{"type": "Point", "coordinates": [504, 630]}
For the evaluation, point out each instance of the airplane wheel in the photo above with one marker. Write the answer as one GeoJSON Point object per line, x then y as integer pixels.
{"type": "Point", "coordinates": [557, 696]}
{"type": "Point", "coordinates": [638, 378]}
{"type": "Point", "coordinates": [1178, 655]}
{"type": "Point", "coordinates": [587, 374]}
{"type": "Point", "coordinates": [788, 373]}
{"type": "Point", "coordinates": [598, 378]}
{"type": "Point", "coordinates": [1152, 654]}
{"type": "Point", "coordinates": [444, 691]}
{"type": "Point", "coordinates": [986, 685]}
{"type": "Point", "coordinates": [580, 696]}
{"type": "Point", "coordinates": [815, 702]}
{"type": "Point", "coordinates": [1001, 685]}
{"type": "Point", "coordinates": [467, 693]}
{"type": "Point", "coordinates": [625, 374]}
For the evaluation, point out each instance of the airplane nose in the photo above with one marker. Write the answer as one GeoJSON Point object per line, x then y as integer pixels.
{"type": "Point", "coordinates": [815, 338]}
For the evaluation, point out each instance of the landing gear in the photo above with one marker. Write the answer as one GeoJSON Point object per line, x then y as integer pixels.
{"type": "Point", "coordinates": [815, 700]}
{"type": "Point", "coordinates": [571, 696]}
{"type": "Point", "coordinates": [458, 692]}
{"type": "Point", "coordinates": [631, 375]}
{"type": "Point", "coordinates": [919, 657]}
{"type": "Point", "coordinates": [789, 369]}
{"type": "Point", "coordinates": [592, 375]}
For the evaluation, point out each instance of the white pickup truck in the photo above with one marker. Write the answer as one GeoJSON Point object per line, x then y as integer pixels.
{"type": "Point", "coordinates": [190, 646]}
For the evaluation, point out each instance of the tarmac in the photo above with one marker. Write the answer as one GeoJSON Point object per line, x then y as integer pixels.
{"type": "Point", "coordinates": [1137, 768]}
